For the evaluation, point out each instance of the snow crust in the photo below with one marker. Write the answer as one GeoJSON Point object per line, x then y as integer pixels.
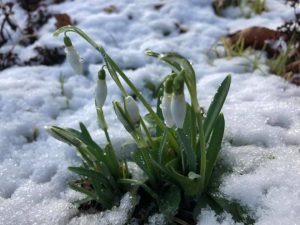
{"type": "Point", "coordinates": [262, 111]}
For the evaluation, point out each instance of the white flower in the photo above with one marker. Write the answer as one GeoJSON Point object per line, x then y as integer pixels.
{"type": "Point", "coordinates": [132, 110]}
{"type": "Point", "coordinates": [166, 109]}
{"type": "Point", "coordinates": [101, 92]}
{"type": "Point", "coordinates": [74, 59]}
{"type": "Point", "coordinates": [178, 109]}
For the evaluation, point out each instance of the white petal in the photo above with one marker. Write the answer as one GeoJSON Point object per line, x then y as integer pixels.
{"type": "Point", "coordinates": [74, 60]}
{"type": "Point", "coordinates": [178, 109]}
{"type": "Point", "coordinates": [166, 110]}
{"type": "Point", "coordinates": [101, 93]}
{"type": "Point", "coordinates": [132, 109]}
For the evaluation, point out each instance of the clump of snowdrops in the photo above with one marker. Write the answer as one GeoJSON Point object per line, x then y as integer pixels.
{"type": "Point", "coordinates": [177, 158]}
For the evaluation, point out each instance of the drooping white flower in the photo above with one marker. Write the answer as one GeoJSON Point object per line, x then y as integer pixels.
{"type": "Point", "coordinates": [178, 104]}
{"type": "Point", "coordinates": [166, 110]}
{"type": "Point", "coordinates": [178, 109]}
{"type": "Point", "coordinates": [73, 56]}
{"type": "Point", "coordinates": [166, 103]}
{"type": "Point", "coordinates": [132, 110]}
{"type": "Point", "coordinates": [101, 89]}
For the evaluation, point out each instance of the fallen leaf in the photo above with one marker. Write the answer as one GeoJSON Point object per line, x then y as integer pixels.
{"type": "Point", "coordinates": [257, 38]}
{"type": "Point", "coordinates": [62, 19]}
{"type": "Point", "coordinates": [293, 67]}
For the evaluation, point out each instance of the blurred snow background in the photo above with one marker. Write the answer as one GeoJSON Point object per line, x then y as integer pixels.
{"type": "Point", "coordinates": [262, 111]}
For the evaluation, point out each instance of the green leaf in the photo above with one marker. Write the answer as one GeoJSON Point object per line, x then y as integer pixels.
{"type": "Point", "coordinates": [238, 213]}
{"type": "Point", "coordinates": [64, 135]}
{"type": "Point", "coordinates": [162, 145]}
{"type": "Point", "coordinates": [190, 125]}
{"type": "Point", "coordinates": [169, 201]}
{"type": "Point", "coordinates": [77, 188]}
{"type": "Point", "coordinates": [203, 202]}
{"type": "Point", "coordinates": [158, 109]}
{"type": "Point", "coordinates": [92, 175]}
{"type": "Point", "coordinates": [188, 152]}
{"type": "Point", "coordinates": [101, 185]}
{"type": "Point", "coordinates": [143, 160]}
{"type": "Point", "coordinates": [214, 147]}
{"type": "Point", "coordinates": [87, 138]}
{"type": "Point", "coordinates": [191, 187]}
{"type": "Point", "coordinates": [111, 161]}
{"type": "Point", "coordinates": [141, 184]}
{"type": "Point", "coordinates": [216, 106]}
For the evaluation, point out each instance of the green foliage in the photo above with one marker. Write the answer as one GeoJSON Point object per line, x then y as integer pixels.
{"type": "Point", "coordinates": [178, 162]}
{"type": "Point", "coordinates": [100, 171]}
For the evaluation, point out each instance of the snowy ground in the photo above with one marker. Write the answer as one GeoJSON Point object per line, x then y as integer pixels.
{"type": "Point", "coordinates": [262, 111]}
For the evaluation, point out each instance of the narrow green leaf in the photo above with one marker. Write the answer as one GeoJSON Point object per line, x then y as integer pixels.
{"type": "Point", "coordinates": [111, 161]}
{"type": "Point", "coordinates": [238, 213]}
{"type": "Point", "coordinates": [162, 145]}
{"type": "Point", "coordinates": [143, 160]}
{"type": "Point", "coordinates": [169, 201]}
{"type": "Point", "coordinates": [77, 188]}
{"type": "Point", "coordinates": [214, 147]}
{"type": "Point", "coordinates": [92, 175]}
{"type": "Point", "coordinates": [216, 106]}
{"type": "Point", "coordinates": [141, 184]}
{"type": "Point", "coordinates": [187, 150]}
{"type": "Point", "coordinates": [64, 135]}
{"type": "Point", "coordinates": [191, 187]}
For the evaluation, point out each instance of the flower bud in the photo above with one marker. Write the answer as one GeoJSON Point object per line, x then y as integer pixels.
{"type": "Point", "coordinates": [122, 116]}
{"type": "Point", "coordinates": [63, 135]}
{"type": "Point", "coordinates": [178, 104]}
{"type": "Point", "coordinates": [166, 102]}
{"type": "Point", "coordinates": [101, 89]}
{"type": "Point", "coordinates": [132, 110]}
{"type": "Point", "coordinates": [73, 57]}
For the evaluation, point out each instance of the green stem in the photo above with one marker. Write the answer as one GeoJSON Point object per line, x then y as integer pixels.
{"type": "Point", "coordinates": [147, 132]}
{"type": "Point", "coordinates": [110, 63]}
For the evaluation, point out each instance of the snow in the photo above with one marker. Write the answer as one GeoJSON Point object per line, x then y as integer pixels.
{"type": "Point", "coordinates": [262, 111]}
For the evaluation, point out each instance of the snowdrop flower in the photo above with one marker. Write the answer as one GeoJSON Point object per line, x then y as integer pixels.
{"type": "Point", "coordinates": [122, 116]}
{"type": "Point", "coordinates": [132, 110]}
{"type": "Point", "coordinates": [166, 103]}
{"type": "Point", "coordinates": [178, 105]}
{"type": "Point", "coordinates": [73, 56]}
{"type": "Point", "coordinates": [101, 89]}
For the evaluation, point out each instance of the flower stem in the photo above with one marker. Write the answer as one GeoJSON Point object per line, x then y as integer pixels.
{"type": "Point", "coordinates": [113, 66]}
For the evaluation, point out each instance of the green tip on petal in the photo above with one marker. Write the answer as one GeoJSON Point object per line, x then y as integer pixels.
{"type": "Point", "coordinates": [101, 74]}
{"type": "Point", "coordinates": [178, 85]}
{"type": "Point", "coordinates": [169, 85]}
{"type": "Point", "coordinates": [67, 41]}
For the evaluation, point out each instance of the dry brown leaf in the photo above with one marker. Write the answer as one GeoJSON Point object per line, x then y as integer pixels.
{"type": "Point", "coordinates": [257, 38]}
{"type": "Point", "coordinates": [293, 67]}
{"type": "Point", "coordinates": [62, 19]}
